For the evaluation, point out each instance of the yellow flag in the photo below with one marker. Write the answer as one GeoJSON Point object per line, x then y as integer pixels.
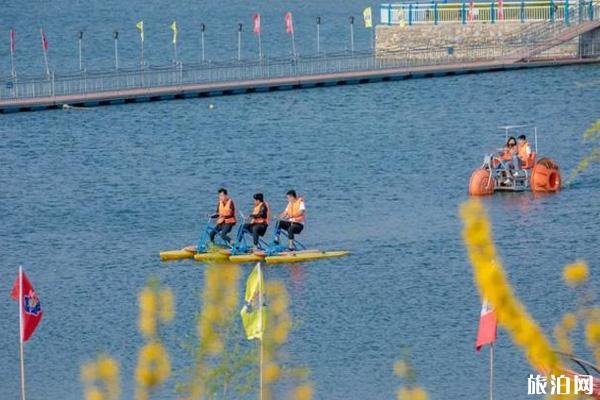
{"type": "Point", "coordinates": [367, 16]}
{"type": "Point", "coordinates": [174, 29]}
{"type": "Point", "coordinates": [140, 26]}
{"type": "Point", "coordinates": [254, 314]}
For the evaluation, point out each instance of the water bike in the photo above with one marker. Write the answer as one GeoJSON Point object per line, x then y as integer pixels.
{"type": "Point", "coordinates": [499, 175]}
{"type": "Point", "coordinates": [242, 252]}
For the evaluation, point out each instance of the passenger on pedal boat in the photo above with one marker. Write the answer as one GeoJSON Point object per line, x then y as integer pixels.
{"type": "Point", "coordinates": [225, 217]}
{"type": "Point", "coordinates": [259, 220]}
{"type": "Point", "coordinates": [523, 152]}
{"type": "Point", "coordinates": [292, 218]}
{"type": "Point", "coordinates": [506, 156]}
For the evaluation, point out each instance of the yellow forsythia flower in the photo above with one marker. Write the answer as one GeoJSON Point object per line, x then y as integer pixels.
{"type": "Point", "coordinates": [575, 274]}
{"type": "Point", "coordinates": [494, 287]}
{"type": "Point", "coordinates": [304, 392]}
{"type": "Point", "coordinates": [419, 393]}
{"type": "Point", "coordinates": [167, 309]}
{"type": "Point", "coordinates": [569, 321]}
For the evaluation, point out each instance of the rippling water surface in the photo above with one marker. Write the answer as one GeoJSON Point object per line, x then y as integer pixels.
{"type": "Point", "coordinates": [89, 198]}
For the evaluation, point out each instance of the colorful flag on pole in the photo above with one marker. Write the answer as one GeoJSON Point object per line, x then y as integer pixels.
{"type": "Point", "coordinates": [140, 26]}
{"type": "Point", "coordinates": [174, 29]}
{"type": "Point", "coordinates": [256, 20]}
{"type": "Point", "coordinates": [254, 312]}
{"type": "Point", "coordinates": [289, 23]}
{"type": "Point", "coordinates": [30, 306]}
{"type": "Point", "coordinates": [488, 327]}
{"type": "Point", "coordinates": [368, 17]}
{"type": "Point", "coordinates": [44, 40]}
{"type": "Point", "coordinates": [13, 42]}
{"type": "Point", "coordinates": [500, 10]}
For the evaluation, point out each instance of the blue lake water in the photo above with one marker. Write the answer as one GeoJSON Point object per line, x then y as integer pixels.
{"type": "Point", "coordinates": [89, 198]}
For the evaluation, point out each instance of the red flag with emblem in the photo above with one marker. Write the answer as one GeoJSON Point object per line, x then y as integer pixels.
{"type": "Point", "coordinates": [29, 305]}
{"type": "Point", "coordinates": [488, 327]}
{"type": "Point", "coordinates": [289, 23]}
{"type": "Point", "coordinates": [256, 20]}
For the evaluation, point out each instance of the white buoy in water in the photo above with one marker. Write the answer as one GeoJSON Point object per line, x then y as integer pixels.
{"type": "Point", "coordinates": [211, 106]}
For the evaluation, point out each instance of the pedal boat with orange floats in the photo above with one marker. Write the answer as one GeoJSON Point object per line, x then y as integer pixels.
{"type": "Point", "coordinates": [497, 174]}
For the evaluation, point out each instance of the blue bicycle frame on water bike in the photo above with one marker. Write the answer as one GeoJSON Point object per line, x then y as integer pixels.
{"type": "Point", "coordinates": [276, 247]}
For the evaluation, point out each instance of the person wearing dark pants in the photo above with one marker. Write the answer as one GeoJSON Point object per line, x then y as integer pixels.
{"type": "Point", "coordinates": [225, 217]}
{"type": "Point", "coordinates": [259, 220]}
{"type": "Point", "coordinates": [293, 217]}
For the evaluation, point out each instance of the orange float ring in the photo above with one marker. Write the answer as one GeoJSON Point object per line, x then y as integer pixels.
{"type": "Point", "coordinates": [545, 176]}
{"type": "Point", "coordinates": [481, 183]}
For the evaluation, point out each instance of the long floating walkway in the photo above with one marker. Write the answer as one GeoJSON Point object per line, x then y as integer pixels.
{"type": "Point", "coordinates": [101, 98]}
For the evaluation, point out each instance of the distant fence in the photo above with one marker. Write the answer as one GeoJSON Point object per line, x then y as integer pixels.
{"type": "Point", "coordinates": [180, 74]}
{"type": "Point", "coordinates": [465, 12]}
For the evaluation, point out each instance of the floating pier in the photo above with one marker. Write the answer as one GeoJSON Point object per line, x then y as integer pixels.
{"type": "Point", "coordinates": [178, 81]}
{"type": "Point", "coordinates": [137, 95]}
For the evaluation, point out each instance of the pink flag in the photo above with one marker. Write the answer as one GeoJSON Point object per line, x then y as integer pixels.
{"type": "Point", "coordinates": [29, 305]}
{"type": "Point", "coordinates": [256, 20]}
{"type": "Point", "coordinates": [13, 43]}
{"type": "Point", "coordinates": [486, 334]}
{"type": "Point", "coordinates": [471, 10]}
{"type": "Point", "coordinates": [289, 23]}
{"type": "Point", "coordinates": [500, 9]}
{"type": "Point", "coordinates": [44, 40]}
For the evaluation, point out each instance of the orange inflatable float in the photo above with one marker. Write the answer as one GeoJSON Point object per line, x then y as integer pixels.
{"type": "Point", "coordinates": [481, 183]}
{"type": "Point", "coordinates": [545, 176]}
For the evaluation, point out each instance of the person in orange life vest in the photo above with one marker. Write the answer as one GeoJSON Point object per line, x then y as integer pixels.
{"type": "Point", "coordinates": [259, 219]}
{"type": "Point", "coordinates": [294, 215]}
{"type": "Point", "coordinates": [225, 217]}
{"type": "Point", "coordinates": [523, 152]}
{"type": "Point", "coordinates": [510, 149]}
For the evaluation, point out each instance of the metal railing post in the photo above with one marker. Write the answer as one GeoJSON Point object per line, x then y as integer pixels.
{"type": "Point", "coordinates": [436, 17]}
{"type": "Point", "coordinates": [389, 14]}
{"type": "Point", "coordinates": [566, 13]}
{"type": "Point", "coordinates": [463, 12]}
{"type": "Point", "coordinates": [410, 16]}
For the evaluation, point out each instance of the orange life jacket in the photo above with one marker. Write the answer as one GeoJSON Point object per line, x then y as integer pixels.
{"type": "Point", "coordinates": [507, 154]}
{"type": "Point", "coordinates": [226, 212]}
{"type": "Point", "coordinates": [293, 210]}
{"type": "Point", "coordinates": [256, 211]}
{"type": "Point", "coordinates": [524, 151]}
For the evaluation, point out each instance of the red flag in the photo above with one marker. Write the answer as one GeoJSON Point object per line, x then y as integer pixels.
{"type": "Point", "coordinates": [487, 327]}
{"type": "Point", "coordinates": [30, 306]}
{"type": "Point", "coordinates": [44, 40]}
{"type": "Point", "coordinates": [256, 20]}
{"type": "Point", "coordinates": [13, 43]}
{"type": "Point", "coordinates": [500, 9]}
{"type": "Point", "coordinates": [289, 23]}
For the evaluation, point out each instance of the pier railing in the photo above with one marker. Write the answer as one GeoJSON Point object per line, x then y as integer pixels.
{"type": "Point", "coordinates": [493, 11]}
{"type": "Point", "coordinates": [211, 73]}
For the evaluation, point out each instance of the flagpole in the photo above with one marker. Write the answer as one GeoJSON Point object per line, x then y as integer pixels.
{"type": "Point", "coordinates": [260, 316]}
{"type": "Point", "coordinates": [202, 29]}
{"type": "Point", "coordinates": [21, 352]}
{"type": "Point", "coordinates": [259, 48]}
{"type": "Point", "coordinates": [492, 371]}
{"type": "Point", "coordinates": [293, 45]}
{"type": "Point", "coordinates": [12, 64]}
